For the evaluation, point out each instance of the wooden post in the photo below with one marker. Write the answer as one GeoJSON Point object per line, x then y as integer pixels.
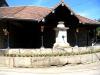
{"type": "Point", "coordinates": [6, 33]}
{"type": "Point", "coordinates": [76, 36]}
{"type": "Point", "coordinates": [42, 29]}
{"type": "Point", "coordinates": [87, 37]}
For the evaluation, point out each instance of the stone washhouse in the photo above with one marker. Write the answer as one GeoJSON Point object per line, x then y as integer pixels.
{"type": "Point", "coordinates": [36, 27]}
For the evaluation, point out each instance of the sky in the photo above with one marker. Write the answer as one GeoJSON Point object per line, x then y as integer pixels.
{"type": "Point", "coordinates": [86, 8]}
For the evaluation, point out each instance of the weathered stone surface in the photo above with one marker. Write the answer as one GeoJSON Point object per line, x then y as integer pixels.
{"type": "Point", "coordinates": [22, 62]}
{"type": "Point", "coordinates": [51, 51]}
{"type": "Point", "coordinates": [48, 61]}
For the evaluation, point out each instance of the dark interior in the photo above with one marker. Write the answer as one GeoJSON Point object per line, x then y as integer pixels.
{"type": "Point", "coordinates": [24, 34]}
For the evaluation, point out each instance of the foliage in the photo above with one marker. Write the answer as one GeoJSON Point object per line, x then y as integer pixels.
{"type": "Point", "coordinates": [98, 20]}
{"type": "Point", "coordinates": [98, 29]}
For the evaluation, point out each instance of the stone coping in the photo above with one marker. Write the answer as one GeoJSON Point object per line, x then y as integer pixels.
{"type": "Point", "coordinates": [49, 51]}
{"type": "Point", "coordinates": [31, 62]}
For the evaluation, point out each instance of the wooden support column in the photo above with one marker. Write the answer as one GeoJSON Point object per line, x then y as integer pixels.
{"type": "Point", "coordinates": [87, 37]}
{"type": "Point", "coordinates": [95, 37]}
{"type": "Point", "coordinates": [6, 33]}
{"type": "Point", "coordinates": [76, 36]}
{"type": "Point", "coordinates": [42, 30]}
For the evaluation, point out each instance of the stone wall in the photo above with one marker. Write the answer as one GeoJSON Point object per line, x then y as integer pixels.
{"type": "Point", "coordinates": [48, 61]}
{"type": "Point", "coordinates": [78, 55]}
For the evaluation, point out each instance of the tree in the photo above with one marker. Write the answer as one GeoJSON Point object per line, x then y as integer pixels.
{"type": "Point", "coordinates": [98, 29]}
{"type": "Point", "coordinates": [98, 20]}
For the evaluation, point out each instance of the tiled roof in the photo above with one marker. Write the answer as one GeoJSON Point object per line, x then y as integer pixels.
{"type": "Point", "coordinates": [33, 13]}
{"type": "Point", "coordinates": [86, 20]}
{"type": "Point", "coordinates": [29, 12]}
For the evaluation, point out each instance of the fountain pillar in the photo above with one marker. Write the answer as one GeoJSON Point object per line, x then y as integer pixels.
{"type": "Point", "coordinates": [61, 36]}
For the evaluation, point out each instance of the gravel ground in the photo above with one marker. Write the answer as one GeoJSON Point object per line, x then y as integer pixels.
{"type": "Point", "coordinates": [82, 69]}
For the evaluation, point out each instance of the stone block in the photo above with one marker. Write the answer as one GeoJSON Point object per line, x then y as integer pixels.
{"type": "Point", "coordinates": [22, 62]}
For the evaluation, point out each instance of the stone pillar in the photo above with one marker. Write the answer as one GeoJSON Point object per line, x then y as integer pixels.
{"type": "Point", "coordinates": [61, 36]}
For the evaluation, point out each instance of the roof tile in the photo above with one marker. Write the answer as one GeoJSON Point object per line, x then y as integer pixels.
{"type": "Point", "coordinates": [32, 12]}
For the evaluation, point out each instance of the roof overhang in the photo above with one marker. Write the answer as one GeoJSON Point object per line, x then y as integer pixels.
{"type": "Point", "coordinates": [34, 13]}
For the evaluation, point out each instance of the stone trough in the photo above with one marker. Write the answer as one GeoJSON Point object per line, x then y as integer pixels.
{"type": "Point", "coordinates": [49, 59]}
